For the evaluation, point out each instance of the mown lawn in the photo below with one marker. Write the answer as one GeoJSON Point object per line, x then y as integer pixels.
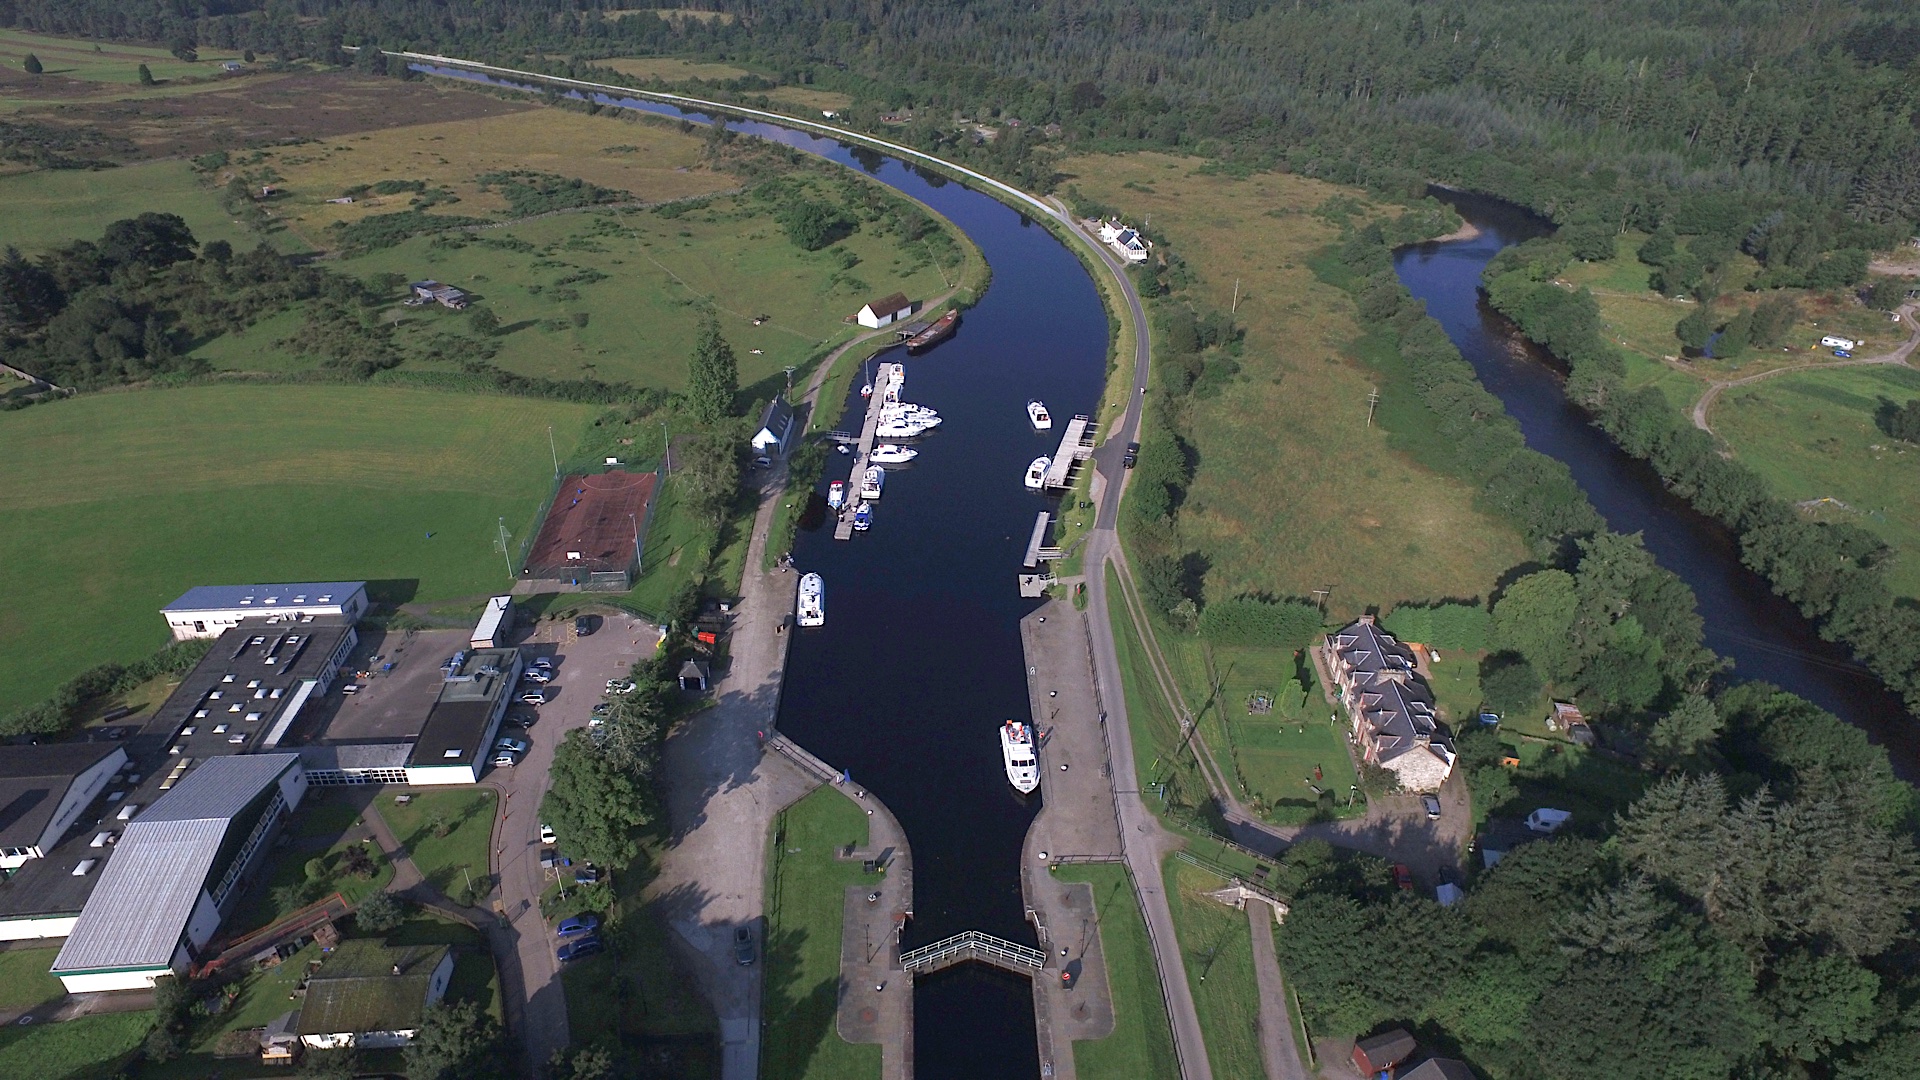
{"type": "Point", "coordinates": [1293, 491]}
{"type": "Point", "coordinates": [806, 898]}
{"type": "Point", "coordinates": [1217, 946]}
{"type": "Point", "coordinates": [447, 833]}
{"type": "Point", "coordinates": [24, 980]}
{"type": "Point", "coordinates": [1142, 1042]}
{"type": "Point", "coordinates": [1812, 436]}
{"type": "Point", "coordinates": [80, 1049]}
{"type": "Point", "coordinates": [136, 497]}
{"type": "Point", "coordinates": [52, 207]}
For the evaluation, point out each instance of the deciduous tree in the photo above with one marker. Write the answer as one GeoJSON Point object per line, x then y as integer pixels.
{"type": "Point", "coordinates": [713, 376]}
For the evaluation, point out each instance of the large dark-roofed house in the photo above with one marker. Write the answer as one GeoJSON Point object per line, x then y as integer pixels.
{"type": "Point", "coordinates": [1394, 721]}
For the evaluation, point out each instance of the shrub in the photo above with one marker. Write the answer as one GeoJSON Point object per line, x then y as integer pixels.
{"type": "Point", "coordinates": [1285, 624]}
{"type": "Point", "coordinates": [379, 913]}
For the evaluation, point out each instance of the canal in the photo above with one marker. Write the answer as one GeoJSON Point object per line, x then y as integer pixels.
{"type": "Point", "coordinates": [1764, 635]}
{"type": "Point", "coordinates": [920, 659]}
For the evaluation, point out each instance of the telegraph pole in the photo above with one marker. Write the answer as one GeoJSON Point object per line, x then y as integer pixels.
{"type": "Point", "coordinates": [555, 451]}
{"type": "Point", "coordinates": [1373, 401]}
{"type": "Point", "coordinates": [1235, 310]}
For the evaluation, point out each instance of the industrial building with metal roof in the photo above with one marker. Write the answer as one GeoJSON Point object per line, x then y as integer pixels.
{"type": "Point", "coordinates": [177, 871]}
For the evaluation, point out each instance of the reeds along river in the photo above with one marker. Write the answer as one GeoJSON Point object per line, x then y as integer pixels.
{"type": "Point", "coordinates": [1764, 635]}
{"type": "Point", "coordinates": [920, 658]}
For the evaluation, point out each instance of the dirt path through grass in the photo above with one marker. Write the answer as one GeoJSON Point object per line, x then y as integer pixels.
{"type": "Point", "coordinates": [1899, 356]}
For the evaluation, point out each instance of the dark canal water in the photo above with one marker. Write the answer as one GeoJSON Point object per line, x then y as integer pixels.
{"type": "Point", "coordinates": [1766, 637]}
{"type": "Point", "coordinates": [920, 660]}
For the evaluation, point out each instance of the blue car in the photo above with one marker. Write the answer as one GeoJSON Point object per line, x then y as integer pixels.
{"type": "Point", "coordinates": [578, 925]}
{"type": "Point", "coordinates": [574, 950]}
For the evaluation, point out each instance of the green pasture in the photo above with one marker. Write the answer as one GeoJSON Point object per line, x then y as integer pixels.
{"type": "Point", "coordinates": [447, 834]}
{"type": "Point", "coordinates": [24, 978]}
{"type": "Point", "coordinates": [1217, 946]}
{"type": "Point", "coordinates": [106, 61]}
{"type": "Point", "coordinates": [1142, 1042]}
{"type": "Point", "coordinates": [88, 1047]}
{"type": "Point", "coordinates": [806, 898]}
{"type": "Point", "coordinates": [52, 207]}
{"type": "Point", "coordinates": [135, 497]}
{"type": "Point", "coordinates": [1812, 436]}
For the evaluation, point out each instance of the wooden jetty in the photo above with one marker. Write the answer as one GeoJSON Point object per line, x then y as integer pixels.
{"type": "Point", "coordinates": [1076, 446]}
{"type": "Point", "coordinates": [887, 382]}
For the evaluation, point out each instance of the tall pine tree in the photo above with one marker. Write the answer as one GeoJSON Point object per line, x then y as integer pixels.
{"type": "Point", "coordinates": [713, 376]}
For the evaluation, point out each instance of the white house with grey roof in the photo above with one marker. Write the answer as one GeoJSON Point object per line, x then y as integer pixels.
{"type": "Point", "coordinates": [1394, 722]}
{"type": "Point", "coordinates": [177, 871]}
{"type": "Point", "coordinates": [206, 611]}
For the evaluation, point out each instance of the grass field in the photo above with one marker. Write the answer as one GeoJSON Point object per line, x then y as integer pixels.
{"type": "Point", "coordinates": [1142, 1042]}
{"type": "Point", "coordinates": [1159, 753]}
{"type": "Point", "coordinates": [106, 61]}
{"type": "Point", "coordinates": [24, 980]}
{"type": "Point", "coordinates": [1293, 489]}
{"type": "Point", "coordinates": [76, 1050]}
{"type": "Point", "coordinates": [1812, 436]}
{"type": "Point", "coordinates": [456, 863]}
{"type": "Point", "coordinates": [1217, 946]}
{"type": "Point", "coordinates": [54, 207]}
{"type": "Point", "coordinates": [653, 162]}
{"type": "Point", "coordinates": [806, 895]}
{"type": "Point", "coordinates": [671, 68]}
{"type": "Point", "coordinates": [136, 497]}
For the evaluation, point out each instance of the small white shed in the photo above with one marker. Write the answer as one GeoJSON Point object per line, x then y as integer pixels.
{"type": "Point", "coordinates": [495, 624]}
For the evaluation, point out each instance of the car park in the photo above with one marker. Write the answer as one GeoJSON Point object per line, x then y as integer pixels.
{"type": "Point", "coordinates": [534, 697]}
{"type": "Point", "coordinates": [547, 835]}
{"type": "Point", "coordinates": [1431, 804]}
{"type": "Point", "coordinates": [506, 759]}
{"type": "Point", "coordinates": [536, 675]}
{"type": "Point", "coordinates": [574, 950]}
{"type": "Point", "coordinates": [517, 746]}
{"type": "Point", "coordinates": [743, 945]}
{"type": "Point", "coordinates": [578, 926]}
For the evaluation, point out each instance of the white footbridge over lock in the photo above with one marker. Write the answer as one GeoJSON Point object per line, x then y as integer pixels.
{"type": "Point", "coordinates": [974, 945]}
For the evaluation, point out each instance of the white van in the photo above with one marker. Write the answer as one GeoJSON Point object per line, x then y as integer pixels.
{"type": "Point", "coordinates": [1547, 820]}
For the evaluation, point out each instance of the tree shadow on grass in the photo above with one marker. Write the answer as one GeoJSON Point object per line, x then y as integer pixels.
{"type": "Point", "coordinates": [799, 1018]}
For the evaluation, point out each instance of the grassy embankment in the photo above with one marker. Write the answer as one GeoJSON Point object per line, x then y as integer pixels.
{"type": "Point", "coordinates": [135, 497]}
{"type": "Point", "coordinates": [806, 898]}
{"type": "Point", "coordinates": [1142, 1040]}
{"type": "Point", "coordinates": [1293, 491]}
{"type": "Point", "coordinates": [1217, 947]}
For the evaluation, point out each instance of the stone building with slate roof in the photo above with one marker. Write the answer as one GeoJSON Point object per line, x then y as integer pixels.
{"type": "Point", "coordinates": [1394, 723]}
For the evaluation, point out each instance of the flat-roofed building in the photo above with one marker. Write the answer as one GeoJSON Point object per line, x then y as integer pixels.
{"type": "Point", "coordinates": [258, 679]}
{"type": "Point", "coordinates": [178, 870]}
{"type": "Point", "coordinates": [44, 789]}
{"type": "Point", "coordinates": [210, 610]}
{"type": "Point", "coordinates": [454, 743]}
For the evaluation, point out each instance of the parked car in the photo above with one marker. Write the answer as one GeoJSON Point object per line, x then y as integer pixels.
{"type": "Point", "coordinates": [603, 708]}
{"type": "Point", "coordinates": [574, 950]}
{"type": "Point", "coordinates": [743, 945]}
{"type": "Point", "coordinates": [619, 686]}
{"type": "Point", "coordinates": [537, 675]}
{"type": "Point", "coordinates": [534, 697]}
{"type": "Point", "coordinates": [1403, 877]}
{"type": "Point", "coordinates": [1431, 805]}
{"type": "Point", "coordinates": [545, 663]}
{"type": "Point", "coordinates": [1843, 354]}
{"type": "Point", "coordinates": [349, 688]}
{"type": "Point", "coordinates": [585, 625]}
{"type": "Point", "coordinates": [550, 859]}
{"type": "Point", "coordinates": [506, 759]}
{"type": "Point", "coordinates": [577, 926]}
{"type": "Point", "coordinates": [523, 719]}
{"type": "Point", "coordinates": [518, 746]}
{"type": "Point", "coordinates": [1132, 456]}
{"type": "Point", "coordinates": [547, 835]}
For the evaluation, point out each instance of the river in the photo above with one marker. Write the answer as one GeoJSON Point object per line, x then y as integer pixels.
{"type": "Point", "coordinates": [920, 660]}
{"type": "Point", "coordinates": [1764, 635]}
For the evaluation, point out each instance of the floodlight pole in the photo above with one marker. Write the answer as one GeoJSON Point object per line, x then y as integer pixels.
{"type": "Point", "coordinates": [554, 450]}
{"type": "Point", "coordinates": [636, 543]}
{"type": "Point", "coordinates": [504, 552]}
{"type": "Point", "coordinates": [666, 449]}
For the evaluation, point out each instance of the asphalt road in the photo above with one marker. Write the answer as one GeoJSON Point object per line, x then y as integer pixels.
{"type": "Point", "coordinates": [524, 946]}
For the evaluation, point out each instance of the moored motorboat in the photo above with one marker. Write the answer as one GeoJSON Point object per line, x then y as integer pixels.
{"type": "Point", "coordinates": [837, 494]}
{"type": "Point", "coordinates": [1037, 473]}
{"type": "Point", "coordinates": [1038, 415]}
{"type": "Point", "coordinates": [941, 329]}
{"type": "Point", "coordinates": [892, 455]}
{"type": "Point", "coordinates": [813, 601]}
{"type": "Point", "coordinates": [874, 479]}
{"type": "Point", "coordinates": [863, 517]}
{"type": "Point", "coordinates": [1022, 760]}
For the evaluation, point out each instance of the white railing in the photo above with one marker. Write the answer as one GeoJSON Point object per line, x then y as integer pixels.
{"type": "Point", "coordinates": [974, 945]}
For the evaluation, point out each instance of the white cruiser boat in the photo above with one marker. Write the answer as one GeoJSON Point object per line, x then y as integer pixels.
{"type": "Point", "coordinates": [872, 482]}
{"type": "Point", "coordinates": [905, 428]}
{"type": "Point", "coordinates": [837, 494]}
{"type": "Point", "coordinates": [1023, 762]}
{"type": "Point", "coordinates": [863, 517]}
{"type": "Point", "coordinates": [892, 455]}
{"type": "Point", "coordinates": [908, 412]}
{"type": "Point", "coordinates": [1036, 412]}
{"type": "Point", "coordinates": [1037, 473]}
{"type": "Point", "coordinates": [813, 601]}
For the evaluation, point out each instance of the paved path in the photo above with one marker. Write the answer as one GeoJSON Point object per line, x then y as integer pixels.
{"type": "Point", "coordinates": [1898, 356]}
{"type": "Point", "coordinates": [1278, 1048]}
{"type": "Point", "coordinates": [876, 996]}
